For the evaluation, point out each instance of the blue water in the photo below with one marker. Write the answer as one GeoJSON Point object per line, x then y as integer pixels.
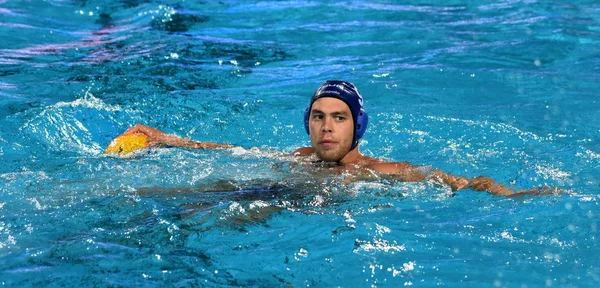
{"type": "Point", "coordinates": [506, 89]}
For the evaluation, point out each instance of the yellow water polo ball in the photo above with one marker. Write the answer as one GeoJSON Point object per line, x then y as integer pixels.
{"type": "Point", "coordinates": [126, 144]}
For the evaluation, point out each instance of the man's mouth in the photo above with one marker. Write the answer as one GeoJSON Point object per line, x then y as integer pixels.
{"type": "Point", "coordinates": [327, 143]}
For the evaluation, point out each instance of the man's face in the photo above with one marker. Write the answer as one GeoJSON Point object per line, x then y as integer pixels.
{"type": "Point", "coordinates": [331, 128]}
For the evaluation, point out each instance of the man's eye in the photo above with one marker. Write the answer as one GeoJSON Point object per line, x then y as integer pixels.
{"type": "Point", "coordinates": [319, 117]}
{"type": "Point", "coordinates": [340, 118]}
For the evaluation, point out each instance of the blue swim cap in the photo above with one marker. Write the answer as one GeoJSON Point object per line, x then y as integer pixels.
{"type": "Point", "coordinates": [348, 93]}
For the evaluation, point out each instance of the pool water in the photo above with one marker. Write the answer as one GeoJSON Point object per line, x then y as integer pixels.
{"type": "Point", "coordinates": [506, 89]}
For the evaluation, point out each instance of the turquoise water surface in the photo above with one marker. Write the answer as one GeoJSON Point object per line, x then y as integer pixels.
{"type": "Point", "coordinates": [506, 89]}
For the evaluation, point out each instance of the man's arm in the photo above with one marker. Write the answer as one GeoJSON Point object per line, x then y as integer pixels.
{"type": "Point", "coordinates": [157, 138]}
{"type": "Point", "coordinates": [404, 171]}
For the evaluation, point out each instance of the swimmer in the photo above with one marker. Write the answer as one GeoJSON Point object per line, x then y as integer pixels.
{"type": "Point", "coordinates": [335, 120]}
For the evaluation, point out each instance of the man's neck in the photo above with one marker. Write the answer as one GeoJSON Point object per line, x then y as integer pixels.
{"type": "Point", "coordinates": [351, 157]}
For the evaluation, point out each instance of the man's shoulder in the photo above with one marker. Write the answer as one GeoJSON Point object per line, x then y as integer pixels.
{"type": "Point", "coordinates": [304, 151]}
{"type": "Point", "coordinates": [390, 167]}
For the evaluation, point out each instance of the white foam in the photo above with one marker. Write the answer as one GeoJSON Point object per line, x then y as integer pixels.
{"type": "Point", "coordinates": [61, 127]}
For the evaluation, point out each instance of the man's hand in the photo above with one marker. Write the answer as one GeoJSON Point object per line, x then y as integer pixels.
{"type": "Point", "coordinates": [155, 136]}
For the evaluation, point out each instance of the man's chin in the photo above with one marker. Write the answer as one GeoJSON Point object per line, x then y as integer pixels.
{"type": "Point", "coordinates": [328, 157]}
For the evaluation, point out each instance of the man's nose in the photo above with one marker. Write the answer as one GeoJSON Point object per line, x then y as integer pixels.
{"type": "Point", "coordinates": [326, 124]}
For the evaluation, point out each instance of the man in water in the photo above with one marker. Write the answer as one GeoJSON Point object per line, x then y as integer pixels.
{"type": "Point", "coordinates": [336, 121]}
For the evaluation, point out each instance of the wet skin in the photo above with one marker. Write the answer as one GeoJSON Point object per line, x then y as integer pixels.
{"type": "Point", "coordinates": [331, 128]}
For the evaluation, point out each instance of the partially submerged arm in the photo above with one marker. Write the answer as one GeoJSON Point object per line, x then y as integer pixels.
{"type": "Point", "coordinates": [404, 171]}
{"type": "Point", "coordinates": [157, 138]}
{"type": "Point", "coordinates": [483, 183]}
